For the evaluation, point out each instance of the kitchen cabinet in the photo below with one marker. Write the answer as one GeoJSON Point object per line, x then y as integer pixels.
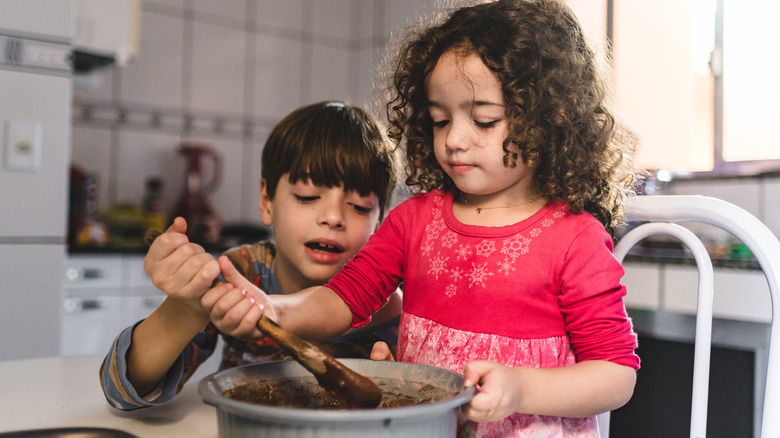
{"type": "Point", "coordinates": [740, 294]}
{"type": "Point", "coordinates": [103, 294]}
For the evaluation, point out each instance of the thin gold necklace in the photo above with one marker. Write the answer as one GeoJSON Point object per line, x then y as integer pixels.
{"type": "Point", "coordinates": [479, 209]}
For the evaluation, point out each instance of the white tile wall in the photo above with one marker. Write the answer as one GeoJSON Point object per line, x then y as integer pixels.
{"type": "Point", "coordinates": [92, 151]}
{"type": "Point", "coordinates": [218, 75]}
{"type": "Point", "coordinates": [155, 76]}
{"type": "Point", "coordinates": [273, 15]}
{"type": "Point", "coordinates": [141, 155]}
{"type": "Point", "coordinates": [330, 76]}
{"type": "Point", "coordinates": [174, 4]}
{"type": "Point", "coordinates": [332, 18]}
{"type": "Point", "coordinates": [234, 9]}
{"type": "Point", "coordinates": [250, 205]}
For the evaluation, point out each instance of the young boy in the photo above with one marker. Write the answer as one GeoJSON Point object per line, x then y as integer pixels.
{"type": "Point", "coordinates": [328, 174]}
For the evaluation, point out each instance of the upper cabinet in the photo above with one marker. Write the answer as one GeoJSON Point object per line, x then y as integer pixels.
{"type": "Point", "coordinates": [105, 32]}
{"type": "Point", "coordinates": [37, 18]}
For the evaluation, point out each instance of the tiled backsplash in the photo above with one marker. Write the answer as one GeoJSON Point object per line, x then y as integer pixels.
{"type": "Point", "coordinates": [223, 73]}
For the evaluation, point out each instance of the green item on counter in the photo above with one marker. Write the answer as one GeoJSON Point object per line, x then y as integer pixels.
{"type": "Point", "coordinates": [125, 224]}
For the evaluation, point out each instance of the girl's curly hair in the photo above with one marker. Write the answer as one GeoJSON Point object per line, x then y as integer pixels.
{"type": "Point", "coordinates": [556, 98]}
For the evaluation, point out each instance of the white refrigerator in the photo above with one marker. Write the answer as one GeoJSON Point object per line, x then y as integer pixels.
{"type": "Point", "coordinates": [35, 102]}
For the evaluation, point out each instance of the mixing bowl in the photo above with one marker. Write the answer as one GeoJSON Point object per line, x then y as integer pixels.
{"type": "Point", "coordinates": [429, 419]}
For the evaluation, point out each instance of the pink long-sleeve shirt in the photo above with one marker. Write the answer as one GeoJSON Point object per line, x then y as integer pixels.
{"type": "Point", "coordinates": [544, 292]}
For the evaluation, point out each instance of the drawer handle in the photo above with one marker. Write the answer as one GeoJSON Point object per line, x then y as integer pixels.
{"type": "Point", "coordinates": [78, 274]}
{"type": "Point", "coordinates": [77, 305]}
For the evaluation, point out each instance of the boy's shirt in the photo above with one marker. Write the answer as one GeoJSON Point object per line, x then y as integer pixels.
{"type": "Point", "coordinates": [256, 263]}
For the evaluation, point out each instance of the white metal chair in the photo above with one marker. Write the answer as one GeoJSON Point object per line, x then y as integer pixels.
{"type": "Point", "coordinates": [661, 214]}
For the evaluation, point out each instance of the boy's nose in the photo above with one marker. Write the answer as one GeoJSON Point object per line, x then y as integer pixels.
{"type": "Point", "coordinates": [332, 214]}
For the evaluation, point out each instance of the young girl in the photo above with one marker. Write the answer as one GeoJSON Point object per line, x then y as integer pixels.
{"type": "Point", "coordinates": [505, 256]}
{"type": "Point", "coordinates": [328, 173]}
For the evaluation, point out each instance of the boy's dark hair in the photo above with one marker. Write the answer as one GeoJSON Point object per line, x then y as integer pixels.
{"type": "Point", "coordinates": [331, 143]}
{"type": "Point", "coordinates": [556, 96]}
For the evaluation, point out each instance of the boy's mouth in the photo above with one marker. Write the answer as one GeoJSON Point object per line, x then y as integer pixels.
{"type": "Point", "coordinates": [325, 247]}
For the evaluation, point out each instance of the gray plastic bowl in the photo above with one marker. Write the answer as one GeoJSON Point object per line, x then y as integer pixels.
{"type": "Point", "coordinates": [242, 419]}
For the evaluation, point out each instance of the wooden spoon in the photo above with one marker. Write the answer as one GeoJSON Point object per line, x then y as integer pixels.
{"type": "Point", "coordinates": [352, 389]}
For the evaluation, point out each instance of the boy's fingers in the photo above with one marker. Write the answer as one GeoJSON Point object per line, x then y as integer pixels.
{"type": "Point", "coordinates": [179, 225]}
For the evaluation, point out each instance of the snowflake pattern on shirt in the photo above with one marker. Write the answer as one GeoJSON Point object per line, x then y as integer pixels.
{"type": "Point", "coordinates": [491, 259]}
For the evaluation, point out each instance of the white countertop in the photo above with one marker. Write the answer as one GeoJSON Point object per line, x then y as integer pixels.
{"type": "Point", "coordinates": [65, 392]}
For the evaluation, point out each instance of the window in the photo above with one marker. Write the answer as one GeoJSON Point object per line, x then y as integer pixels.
{"type": "Point", "coordinates": [694, 79]}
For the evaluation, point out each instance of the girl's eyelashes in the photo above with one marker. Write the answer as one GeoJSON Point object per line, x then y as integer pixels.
{"type": "Point", "coordinates": [483, 125]}
{"type": "Point", "coordinates": [486, 125]}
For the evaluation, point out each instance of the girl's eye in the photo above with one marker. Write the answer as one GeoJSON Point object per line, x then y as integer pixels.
{"type": "Point", "coordinates": [306, 199]}
{"type": "Point", "coordinates": [440, 123]}
{"type": "Point", "coordinates": [486, 125]}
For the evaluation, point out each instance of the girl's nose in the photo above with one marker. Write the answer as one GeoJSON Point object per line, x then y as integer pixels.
{"type": "Point", "coordinates": [456, 136]}
{"type": "Point", "coordinates": [332, 212]}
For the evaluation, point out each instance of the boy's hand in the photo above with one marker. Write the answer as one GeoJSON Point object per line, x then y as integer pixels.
{"type": "Point", "coordinates": [181, 269]}
{"type": "Point", "coordinates": [381, 351]}
{"type": "Point", "coordinates": [495, 398]}
{"type": "Point", "coordinates": [235, 306]}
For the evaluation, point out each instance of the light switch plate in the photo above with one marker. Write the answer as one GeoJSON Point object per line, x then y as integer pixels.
{"type": "Point", "coordinates": [23, 145]}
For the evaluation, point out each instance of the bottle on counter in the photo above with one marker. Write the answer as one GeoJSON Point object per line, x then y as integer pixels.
{"type": "Point", "coordinates": [153, 206]}
{"type": "Point", "coordinates": [90, 230]}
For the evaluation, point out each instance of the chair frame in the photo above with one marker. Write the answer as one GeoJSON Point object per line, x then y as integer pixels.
{"type": "Point", "coordinates": [661, 214]}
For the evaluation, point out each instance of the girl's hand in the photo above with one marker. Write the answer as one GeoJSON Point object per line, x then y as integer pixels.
{"type": "Point", "coordinates": [381, 351]}
{"type": "Point", "coordinates": [181, 269]}
{"type": "Point", "coordinates": [496, 396]}
{"type": "Point", "coordinates": [236, 306]}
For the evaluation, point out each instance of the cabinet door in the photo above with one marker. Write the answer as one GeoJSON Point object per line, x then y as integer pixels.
{"type": "Point", "coordinates": [30, 312]}
{"type": "Point", "coordinates": [740, 295]}
{"type": "Point", "coordinates": [40, 17]}
{"type": "Point", "coordinates": [90, 324]}
{"type": "Point", "coordinates": [642, 282]}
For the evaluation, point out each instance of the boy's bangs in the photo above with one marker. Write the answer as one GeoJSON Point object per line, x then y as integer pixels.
{"type": "Point", "coordinates": [329, 166]}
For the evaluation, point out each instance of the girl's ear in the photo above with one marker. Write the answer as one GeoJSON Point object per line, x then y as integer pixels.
{"type": "Point", "coordinates": [266, 205]}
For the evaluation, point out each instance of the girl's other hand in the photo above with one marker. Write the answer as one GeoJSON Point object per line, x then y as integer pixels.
{"type": "Point", "coordinates": [381, 351]}
{"type": "Point", "coordinates": [495, 398]}
{"type": "Point", "coordinates": [181, 269]}
{"type": "Point", "coordinates": [235, 306]}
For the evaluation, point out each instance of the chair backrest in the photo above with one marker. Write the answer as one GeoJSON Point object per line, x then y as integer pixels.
{"type": "Point", "coordinates": [661, 214]}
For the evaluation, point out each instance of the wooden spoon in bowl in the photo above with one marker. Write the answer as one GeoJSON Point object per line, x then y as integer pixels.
{"type": "Point", "coordinates": [351, 388]}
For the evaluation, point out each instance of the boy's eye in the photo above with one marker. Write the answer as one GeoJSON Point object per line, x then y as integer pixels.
{"type": "Point", "coordinates": [360, 208]}
{"type": "Point", "coordinates": [486, 125]}
{"type": "Point", "coordinates": [306, 199]}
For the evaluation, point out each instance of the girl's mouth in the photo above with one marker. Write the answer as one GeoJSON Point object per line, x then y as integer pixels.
{"type": "Point", "coordinates": [461, 167]}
